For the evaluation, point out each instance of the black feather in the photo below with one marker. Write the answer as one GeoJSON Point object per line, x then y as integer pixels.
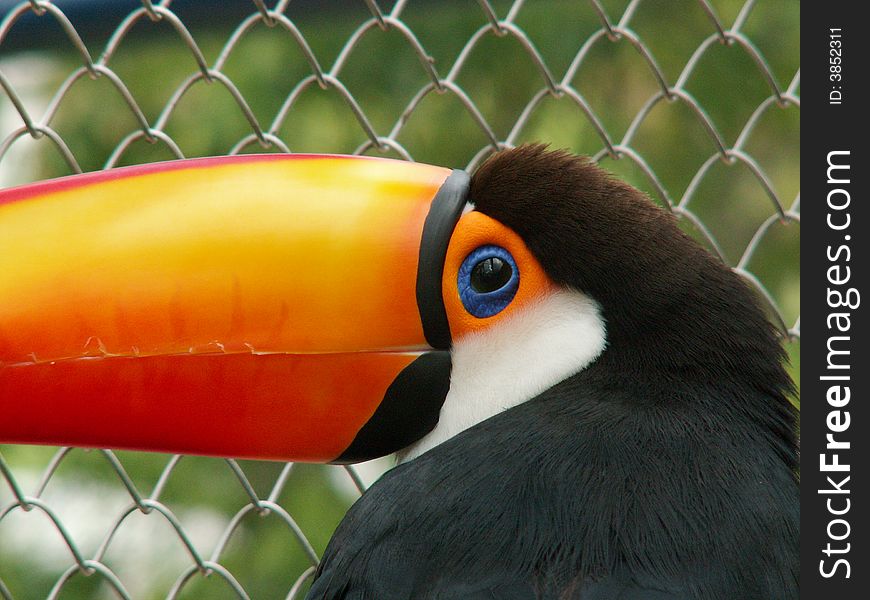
{"type": "Point", "coordinates": [664, 471]}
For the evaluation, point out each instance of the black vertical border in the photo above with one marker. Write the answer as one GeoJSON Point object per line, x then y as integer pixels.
{"type": "Point", "coordinates": [830, 127]}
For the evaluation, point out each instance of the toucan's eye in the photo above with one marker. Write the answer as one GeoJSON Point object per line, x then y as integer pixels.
{"type": "Point", "coordinates": [488, 281]}
{"type": "Point", "coordinates": [490, 274]}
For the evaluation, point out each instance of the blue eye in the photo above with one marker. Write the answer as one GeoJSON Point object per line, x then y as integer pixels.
{"type": "Point", "coordinates": [488, 281]}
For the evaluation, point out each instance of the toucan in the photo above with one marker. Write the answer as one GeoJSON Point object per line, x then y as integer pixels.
{"type": "Point", "coordinates": [584, 402]}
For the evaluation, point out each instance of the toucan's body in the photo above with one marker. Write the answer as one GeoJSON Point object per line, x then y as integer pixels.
{"type": "Point", "coordinates": [586, 503]}
{"type": "Point", "coordinates": [586, 404]}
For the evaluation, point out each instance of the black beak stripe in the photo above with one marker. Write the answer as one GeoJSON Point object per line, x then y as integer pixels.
{"type": "Point", "coordinates": [445, 212]}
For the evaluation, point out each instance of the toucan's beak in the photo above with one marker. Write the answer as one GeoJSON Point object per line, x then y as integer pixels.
{"type": "Point", "coordinates": [283, 307]}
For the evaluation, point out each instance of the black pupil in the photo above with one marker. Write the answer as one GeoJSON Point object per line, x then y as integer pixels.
{"type": "Point", "coordinates": [490, 274]}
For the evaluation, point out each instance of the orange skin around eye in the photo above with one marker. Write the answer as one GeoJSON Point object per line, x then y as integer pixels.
{"type": "Point", "coordinates": [473, 230]}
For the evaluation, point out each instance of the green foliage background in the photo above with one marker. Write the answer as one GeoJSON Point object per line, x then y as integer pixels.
{"type": "Point", "coordinates": [383, 74]}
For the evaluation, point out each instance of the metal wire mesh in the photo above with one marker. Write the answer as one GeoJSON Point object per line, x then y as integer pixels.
{"type": "Point", "coordinates": [752, 154]}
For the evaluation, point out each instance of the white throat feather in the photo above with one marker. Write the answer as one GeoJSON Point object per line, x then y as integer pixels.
{"type": "Point", "coordinates": [511, 362]}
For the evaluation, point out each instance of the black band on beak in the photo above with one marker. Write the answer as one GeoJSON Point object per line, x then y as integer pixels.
{"type": "Point", "coordinates": [446, 209]}
{"type": "Point", "coordinates": [410, 410]}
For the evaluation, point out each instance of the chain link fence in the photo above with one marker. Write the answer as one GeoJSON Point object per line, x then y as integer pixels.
{"type": "Point", "coordinates": [696, 102]}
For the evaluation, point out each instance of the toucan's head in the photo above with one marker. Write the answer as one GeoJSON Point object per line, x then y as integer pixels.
{"type": "Point", "coordinates": [337, 309]}
{"type": "Point", "coordinates": [606, 282]}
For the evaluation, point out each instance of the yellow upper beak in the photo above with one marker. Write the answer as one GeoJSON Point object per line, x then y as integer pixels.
{"type": "Point", "coordinates": [255, 306]}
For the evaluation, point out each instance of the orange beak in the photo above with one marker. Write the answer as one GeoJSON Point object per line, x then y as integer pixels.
{"type": "Point", "coordinates": [251, 306]}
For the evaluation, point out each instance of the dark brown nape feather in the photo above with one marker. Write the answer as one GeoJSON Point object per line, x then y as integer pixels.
{"type": "Point", "coordinates": [670, 306]}
{"type": "Point", "coordinates": [603, 237]}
